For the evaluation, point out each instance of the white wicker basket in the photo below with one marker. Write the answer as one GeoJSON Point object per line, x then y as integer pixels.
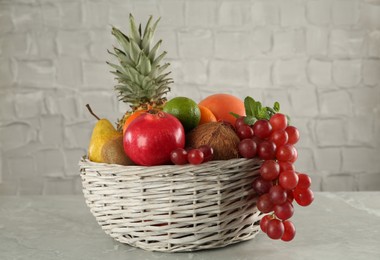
{"type": "Point", "coordinates": [174, 208]}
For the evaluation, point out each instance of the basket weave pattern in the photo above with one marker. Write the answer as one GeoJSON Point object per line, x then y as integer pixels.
{"type": "Point", "coordinates": [174, 208]}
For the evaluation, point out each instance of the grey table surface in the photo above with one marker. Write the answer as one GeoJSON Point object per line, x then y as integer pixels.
{"type": "Point", "coordinates": [343, 225]}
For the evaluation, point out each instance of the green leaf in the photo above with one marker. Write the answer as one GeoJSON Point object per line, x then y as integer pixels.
{"type": "Point", "coordinates": [145, 44]}
{"type": "Point", "coordinates": [122, 57]}
{"type": "Point", "coordinates": [263, 113]}
{"type": "Point", "coordinates": [158, 59]}
{"type": "Point", "coordinates": [271, 110]}
{"type": "Point", "coordinates": [144, 64]}
{"type": "Point", "coordinates": [147, 26]}
{"type": "Point", "coordinates": [116, 67]}
{"type": "Point", "coordinates": [235, 115]}
{"type": "Point", "coordinates": [121, 38]}
{"type": "Point", "coordinates": [134, 51]}
{"type": "Point", "coordinates": [134, 31]}
{"type": "Point", "coordinates": [256, 109]}
{"type": "Point", "coordinates": [250, 120]}
{"type": "Point", "coordinates": [140, 30]}
{"type": "Point", "coordinates": [153, 51]}
{"type": "Point", "coordinates": [249, 104]}
{"type": "Point", "coordinates": [276, 106]}
{"type": "Point", "coordinates": [155, 25]}
{"type": "Point", "coordinates": [160, 69]}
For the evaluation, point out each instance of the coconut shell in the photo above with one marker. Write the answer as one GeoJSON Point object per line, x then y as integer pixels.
{"type": "Point", "coordinates": [113, 152]}
{"type": "Point", "coordinates": [218, 135]}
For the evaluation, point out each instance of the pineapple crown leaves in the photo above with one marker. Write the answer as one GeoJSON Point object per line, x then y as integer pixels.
{"type": "Point", "coordinates": [140, 75]}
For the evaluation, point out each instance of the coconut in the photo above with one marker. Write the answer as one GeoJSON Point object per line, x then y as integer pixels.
{"type": "Point", "coordinates": [218, 135]}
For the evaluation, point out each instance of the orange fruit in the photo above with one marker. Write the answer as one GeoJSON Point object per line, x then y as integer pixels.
{"type": "Point", "coordinates": [222, 104]}
{"type": "Point", "coordinates": [185, 110]}
{"type": "Point", "coordinates": [131, 118]}
{"type": "Point", "coordinates": [206, 115]}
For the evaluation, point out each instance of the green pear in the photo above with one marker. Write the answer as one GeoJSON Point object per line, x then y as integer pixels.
{"type": "Point", "coordinates": [103, 132]}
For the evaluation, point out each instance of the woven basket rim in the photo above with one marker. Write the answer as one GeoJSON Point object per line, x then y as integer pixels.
{"type": "Point", "coordinates": [85, 161]}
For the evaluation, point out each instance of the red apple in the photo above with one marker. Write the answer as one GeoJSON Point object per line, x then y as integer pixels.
{"type": "Point", "coordinates": [151, 137]}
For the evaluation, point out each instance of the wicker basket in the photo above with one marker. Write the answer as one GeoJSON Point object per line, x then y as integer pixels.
{"type": "Point", "coordinates": [174, 208]}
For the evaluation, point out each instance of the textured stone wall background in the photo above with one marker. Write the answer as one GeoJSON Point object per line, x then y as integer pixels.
{"type": "Point", "coordinates": [319, 58]}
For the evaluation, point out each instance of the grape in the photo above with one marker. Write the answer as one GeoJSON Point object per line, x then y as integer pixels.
{"type": "Point", "coordinates": [293, 134]}
{"type": "Point", "coordinates": [207, 151]}
{"type": "Point", "coordinates": [257, 140]}
{"type": "Point", "coordinates": [289, 231]}
{"type": "Point", "coordinates": [295, 157]}
{"type": "Point", "coordinates": [195, 156]}
{"type": "Point", "coordinates": [285, 153]}
{"type": "Point", "coordinates": [304, 197]}
{"type": "Point", "coordinates": [278, 121]}
{"type": "Point", "coordinates": [275, 229]}
{"type": "Point", "coordinates": [264, 204]}
{"type": "Point", "coordinates": [261, 186]}
{"type": "Point", "coordinates": [264, 222]}
{"type": "Point", "coordinates": [286, 166]}
{"type": "Point", "coordinates": [304, 181]}
{"type": "Point", "coordinates": [269, 170]}
{"type": "Point", "coordinates": [288, 180]}
{"type": "Point", "coordinates": [179, 156]}
{"type": "Point", "coordinates": [277, 195]}
{"type": "Point", "coordinates": [289, 196]}
{"type": "Point", "coordinates": [284, 211]}
{"type": "Point", "coordinates": [266, 150]}
{"type": "Point", "coordinates": [240, 122]}
{"type": "Point", "coordinates": [247, 148]}
{"type": "Point", "coordinates": [262, 128]}
{"type": "Point", "coordinates": [244, 131]}
{"type": "Point", "coordinates": [279, 137]}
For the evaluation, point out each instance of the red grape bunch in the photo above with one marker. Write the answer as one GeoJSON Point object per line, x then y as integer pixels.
{"type": "Point", "coordinates": [279, 184]}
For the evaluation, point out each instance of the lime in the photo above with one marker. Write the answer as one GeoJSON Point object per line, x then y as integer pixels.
{"type": "Point", "coordinates": [186, 110]}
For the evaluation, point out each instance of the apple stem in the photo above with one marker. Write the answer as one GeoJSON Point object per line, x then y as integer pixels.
{"type": "Point", "coordinates": [91, 112]}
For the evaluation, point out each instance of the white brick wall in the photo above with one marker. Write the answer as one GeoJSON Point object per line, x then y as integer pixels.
{"type": "Point", "coordinates": [319, 58]}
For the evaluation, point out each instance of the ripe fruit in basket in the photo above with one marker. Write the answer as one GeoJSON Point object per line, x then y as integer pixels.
{"type": "Point", "coordinates": [103, 142]}
{"type": "Point", "coordinates": [208, 152]}
{"type": "Point", "coordinates": [185, 109]}
{"type": "Point", "coordinates": [132, 117]}
{"type": "Point", "coordinates": [218, 135]}
{"type": "Point", "coordinates": [179, 156]}
{"type": "Point", "coordinates": [142, 80]}
{"type": "Point", "coordinates": [151, 137]}
{"type": "Point", "coordinates": [206, 115]}
{"type": "Point", "coordinates": [113, 152]}
{"type": "Point", "coordinates": [221, 105]}
{"type": "Point", "coordinates": [195, 156]}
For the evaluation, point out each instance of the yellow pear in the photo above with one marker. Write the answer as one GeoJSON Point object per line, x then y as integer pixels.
{"type": "Point", "coordinates": [101, 134]}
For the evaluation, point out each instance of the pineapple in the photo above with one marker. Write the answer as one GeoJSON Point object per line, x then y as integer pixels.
{"type": "Point", "coordinates": [142, 80]}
